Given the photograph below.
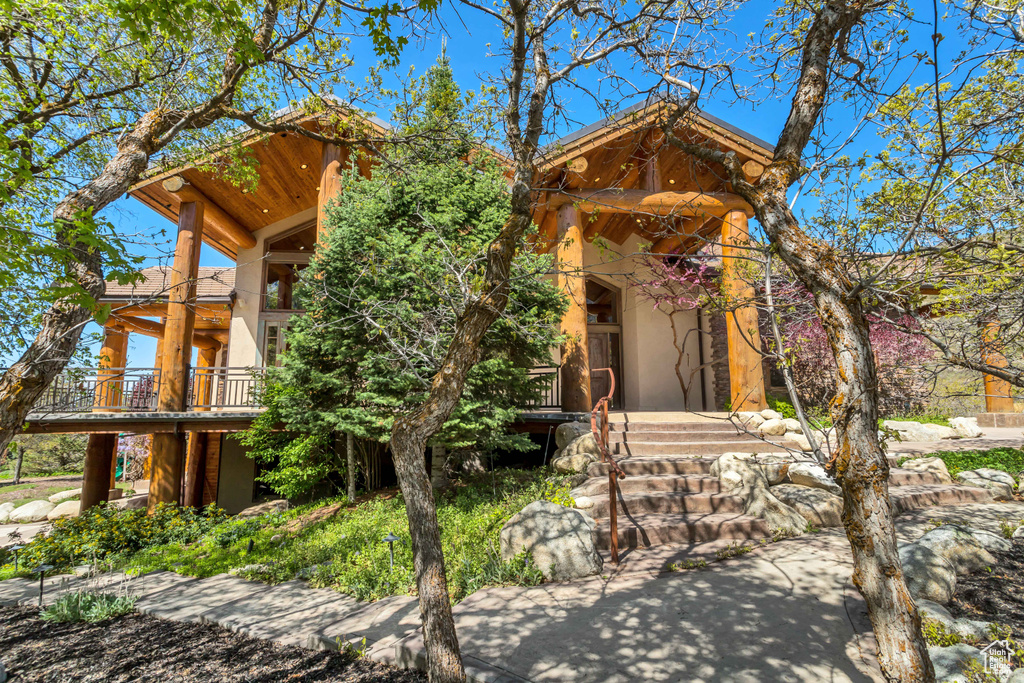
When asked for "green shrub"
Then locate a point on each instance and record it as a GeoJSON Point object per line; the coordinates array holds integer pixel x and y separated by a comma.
{"type": "Point", "coordinates": [104, 530]}
{"type": "Point", "coordinates": [935, 634]}
{"type": "Point", "coordinates": [782, 406]}
{"type": "Point", "coordinates": [90, 607]}
{"type": "Point", "coordinates": [1009, 460]}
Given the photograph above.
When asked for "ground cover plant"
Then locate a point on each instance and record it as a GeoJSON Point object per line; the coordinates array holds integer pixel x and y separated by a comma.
{"type": "Point", "coordinates": [1010, 460]}
{"type": "Point", "coordinates": [87, 606]}
{"type": "Point", "coordinates": [331, 543]}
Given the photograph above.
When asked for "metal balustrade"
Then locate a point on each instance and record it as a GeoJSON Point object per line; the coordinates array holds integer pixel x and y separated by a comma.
{"type": "Point", "coordinates": [551, 394]}
{"type": "Point", "coordinates": [135, 390]}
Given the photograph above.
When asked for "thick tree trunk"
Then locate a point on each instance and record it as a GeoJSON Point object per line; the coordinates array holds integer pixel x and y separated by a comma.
{"type": "Point", "coordinates": [860, 465]}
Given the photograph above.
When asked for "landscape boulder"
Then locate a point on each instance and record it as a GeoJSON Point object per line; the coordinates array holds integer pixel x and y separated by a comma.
{"type": "Point", "coordinates": [928, 576]}
{"type": "Point", "coordinates": [263, 508]}
{"type": "Point", "coordinates": [1018, 532]}
{"type": "Point", "coordinates": [769, 414]}
{"type": "Point", "coordinates": [989, 540]}
{"type": "Point", "coordinates": [743, 477]}
{"type": "Point", "coordinates": [571, 464]}
{"type": "Point", "coordinates": [772, 428]}
{"type": "Point", "coordinates": [792, 425]}
{"type": "Point", "coordinates": [750, 420]}
{"type": "Point", "coordinates": [966, 427]}
{"type": "Point", "coordinates": [813, 475]}
{"type": "Point", "coordinates": [61, 496]}
{"type": "Point", "coordinates": [930, 465]}
{"type": "Point", "coordinates": [560, 540]}
{"type": "Point", "coordinates": [776, 467]}
{"type": "Point", "coordinates": [949, 662]}
{"type": "Point", "coordinates": [5, 512]}
{"type": "Point", "coordinates": [799, 441]}
{"type": "Point", "coordinates": [69, 508]}
{"type": "Point", "coordinates": [577, 455]}
{"type": "Point", "coordinates": [958, 547]}
{"type": "Point", "coordinates": [817, 506]}
{"type": "Point", "coordinates": [965, 628]}
{"type": "Point", "coordinates": [583, 502]}
{"type": "Point", "coordinates": [35, 511]}
{"type": "Point", "coordinates": [998, 482]}
{"type": "Point", "coordinates": [915, 431]}
{"type": "Point", "coordinates": [567, 431]}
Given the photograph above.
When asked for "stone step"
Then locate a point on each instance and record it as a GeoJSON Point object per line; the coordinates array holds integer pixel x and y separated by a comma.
{"type": "Point", "coordinates": [699, 448]}
{"type": "Point", "coordinates": [713, 426]}
{"type": "Point", "coordinates": [678, 437]}
{"type": "Point", "coordinates": [181, 598]}
{"type": "Point", "coordinates": [663, 502]}
{"type": "Point", "coordinates": [906, 498]}
{"type": "Point", "coordinates": [598, 486]}
{"type": "Point", "coordinates": [647, 530]}
{"type": "Point", "coordinates": [901, 477]}
{"type": "Point", "coordinates": [666, 416]}
{"type": "Point", "coordinates": [375, 628]}
{"type": "Point", "coordinates": [651, 466]}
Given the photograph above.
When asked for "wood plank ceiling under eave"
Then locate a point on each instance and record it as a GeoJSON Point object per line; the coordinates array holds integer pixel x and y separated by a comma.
{"type": "Point", "coordinates": [288, 165]}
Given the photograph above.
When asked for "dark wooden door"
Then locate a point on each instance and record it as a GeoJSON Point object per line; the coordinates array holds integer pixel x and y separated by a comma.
{"type": "Point", "coordinates": [603, 348]}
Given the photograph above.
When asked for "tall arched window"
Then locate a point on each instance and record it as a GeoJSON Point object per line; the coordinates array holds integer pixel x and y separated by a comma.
{"type": "Point", "coordinates": [604, 339]}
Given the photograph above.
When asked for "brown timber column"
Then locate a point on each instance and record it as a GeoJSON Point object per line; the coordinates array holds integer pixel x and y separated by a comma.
{"type": "Point", "coordinates": [330, 185]}
{"type": "Point", "coordinates": [169, 448]}
{"type": "Point", "coordinates": [575, 355]}
{"type": "Point", "coordinates": [99, 453]}
{"type": "Point", "coordinates": [998, 392]}
{"type": "Point", "coordinates": [746, 377]}
{"type": "Point", "coordinates": [196, 461]}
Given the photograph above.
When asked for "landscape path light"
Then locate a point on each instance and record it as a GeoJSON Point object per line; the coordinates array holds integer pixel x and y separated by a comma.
{"type": "Point", "coordinates": [41, 570]}
{"type": "Point", "coordinates": [390, 540]}
{"type": "Point", "coordinates": [14, 549]}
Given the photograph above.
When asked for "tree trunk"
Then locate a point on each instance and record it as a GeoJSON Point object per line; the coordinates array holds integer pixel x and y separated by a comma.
{"type": "Point", "coordinates": [350, 456]}
{"type": "Point", "coordinates": [860, 465]}
{"type": "Point", "coordinates": [438, 458]}
{"type": "Point", "coordinates": [17, 465]}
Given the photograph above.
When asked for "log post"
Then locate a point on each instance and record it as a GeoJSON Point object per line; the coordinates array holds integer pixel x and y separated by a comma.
{"type": "Point", "coordinates": [100, 456]}
{"type": "Point", "coordinates": [330, 185]}
{"type": "Point", "coordinates": [571, 281]}
{"type": "Point", "coordinates": [168, 448]}
{"type": "Point", "coordinates": [195, 464]}
{"type": "Point", "coordinates": [998, 392]}
{"type": "Point", "coordinates": [746, 377]}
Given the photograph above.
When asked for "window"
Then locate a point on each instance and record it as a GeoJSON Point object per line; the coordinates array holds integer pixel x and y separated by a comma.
{"type": "Point", "coordinates": [279, 286]}
{"type": "Point", "coordinates": [274, 342]}
{"type": "Point", "coordinates": [602, 304]}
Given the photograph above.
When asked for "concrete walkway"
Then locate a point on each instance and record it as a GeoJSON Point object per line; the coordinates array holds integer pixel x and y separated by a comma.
{"type": "Point", "coordinates": [783, 612]}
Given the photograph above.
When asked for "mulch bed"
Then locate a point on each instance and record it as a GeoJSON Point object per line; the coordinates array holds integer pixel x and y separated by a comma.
{"type": "Point", "coordinates": [141, 648]}
{"type": "Point", "coordinates": [997, 595]}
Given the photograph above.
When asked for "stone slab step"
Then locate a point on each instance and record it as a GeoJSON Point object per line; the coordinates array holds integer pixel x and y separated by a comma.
{"type": "Point", "coordinates": [901, 477]}
{"type": "Point", "coordinates": [712, 426]}
{"type": "Point", "coordinates": [661, 502]}
{"type": "Point", "coordinates": [382, 624]}
{"type": "Point", "coordinates": [619, 416]}
{"type": "Point", "coordinates": [648, 530]}
{"type": "Point", "coordinates": [284, 613]}
{"type": "Point", "coordinates": [678, 437]}
{"type": "Point", "coordinates": [906, 498]}
{"type": "Point", "coordinates": [188, 599]}
{"type": "Point", "coordinates": [698, 448]}
{"type": "Point", "coordinates": [648, 466]}
{"type": "Point", "coordinates": [598, 486]}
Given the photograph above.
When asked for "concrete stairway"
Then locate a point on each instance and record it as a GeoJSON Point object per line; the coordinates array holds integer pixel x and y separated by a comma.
{"type": "Point", "coordinates": [669, 496]}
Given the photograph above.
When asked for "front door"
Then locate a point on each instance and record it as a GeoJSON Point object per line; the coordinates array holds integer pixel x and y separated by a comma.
{"type": "Point", "coordinates": [603, 348]}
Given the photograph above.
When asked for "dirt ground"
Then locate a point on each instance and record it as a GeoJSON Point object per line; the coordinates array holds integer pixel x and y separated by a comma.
{"type": "Point", "coordinates": [141, 648]}
{"type": "Point", "coordinates": [996, 596]}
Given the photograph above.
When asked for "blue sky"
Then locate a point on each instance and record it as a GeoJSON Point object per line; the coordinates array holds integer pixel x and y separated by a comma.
{"type": "Point", "coordinates": [466, 41]}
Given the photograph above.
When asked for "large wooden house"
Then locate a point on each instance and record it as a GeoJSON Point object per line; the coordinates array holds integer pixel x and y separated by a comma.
{"type": "Point", "coordinates": [604, 194]}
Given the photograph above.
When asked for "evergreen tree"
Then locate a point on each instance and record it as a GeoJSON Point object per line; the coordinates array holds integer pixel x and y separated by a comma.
{"type": "Point", "coordinates": [403, 252]}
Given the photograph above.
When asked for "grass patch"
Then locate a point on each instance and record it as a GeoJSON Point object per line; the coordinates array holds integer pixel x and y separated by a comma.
{"type": "Point", "coordinates": [923, 418]}
{"type": "Point", "coordinates": [82, 606]}
{"type": "Point", "coordinates": [1010, 460]}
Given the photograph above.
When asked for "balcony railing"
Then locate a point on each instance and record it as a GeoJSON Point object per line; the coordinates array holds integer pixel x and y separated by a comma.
{"type": "Point", "coordinates": [135, 390]}
{"type": "Point", "coordinates": [551, 394]}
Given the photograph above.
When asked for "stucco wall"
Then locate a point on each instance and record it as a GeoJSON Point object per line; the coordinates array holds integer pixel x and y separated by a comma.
{"type": "Point", "coordinates": [648, 355]}
{"type": "Point", "coordinates": [243, 347]}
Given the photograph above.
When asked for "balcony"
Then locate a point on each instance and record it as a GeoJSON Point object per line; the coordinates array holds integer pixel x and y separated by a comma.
{"type": "Point", "coordinates": [135, 390]}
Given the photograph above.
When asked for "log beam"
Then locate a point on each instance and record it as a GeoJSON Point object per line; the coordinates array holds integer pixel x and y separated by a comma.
{"type": "Point", "coordinates": [218, 220]}
{"type": "Point", "coordinates": [654, 203]}
{"type": "Point", "coordinates": [168, 449]}
{"type": "Point", "coordinates": [998, 392]}
{"type": "Point", "coordinates": [152, 328]}
{"type": "Point", "coordinates": [330, 184]}
{"type": "Point", "coordinates": [571, 281]}
{"type": "Point", "coordinates": [746, 377]}
{"type": "Point", "coordinates": [100, 451]}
